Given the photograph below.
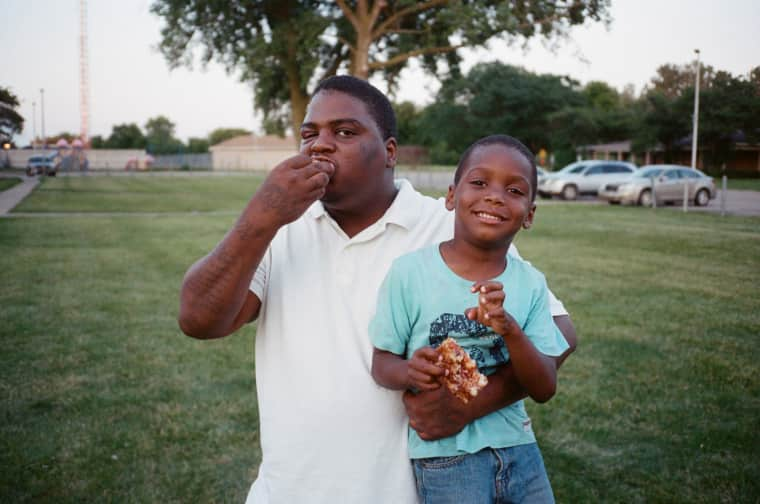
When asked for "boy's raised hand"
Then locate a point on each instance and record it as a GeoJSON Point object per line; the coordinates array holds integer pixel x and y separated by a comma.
{"type": "Point", "coordinates": [490, 310]}
{"type": "Point", "coordinates": [292, 186]}
{"type": "Point", "coordinates": [422, 371]}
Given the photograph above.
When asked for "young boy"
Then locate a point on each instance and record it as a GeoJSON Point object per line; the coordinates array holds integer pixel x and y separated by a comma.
{"type": "Point", "coordinates": [428, 295]}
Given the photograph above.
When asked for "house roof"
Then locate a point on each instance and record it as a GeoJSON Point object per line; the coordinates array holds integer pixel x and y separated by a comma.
{"type": "Point", "coordinates": [257, 142]}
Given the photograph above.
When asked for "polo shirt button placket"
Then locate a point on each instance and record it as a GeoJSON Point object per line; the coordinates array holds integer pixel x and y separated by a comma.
{"type": "Point", "coordinates": [344, 268]}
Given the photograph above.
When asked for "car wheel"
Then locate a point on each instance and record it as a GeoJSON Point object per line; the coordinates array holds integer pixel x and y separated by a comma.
{"type": "Point", "coordinates": [645, 198]}
{"type": "Point", "coordinates": [569, 192]}
{"type": "Point", "coordinates": [29, 172]}
{"type": "Point", "coordinates": [702, 198]}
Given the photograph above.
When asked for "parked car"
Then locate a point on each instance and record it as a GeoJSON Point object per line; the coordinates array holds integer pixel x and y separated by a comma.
{"type": "Point", "coordinates": [541, 174]}
{"type": "Point", "coordinates": [584, 177]}
{"type": "Point", "coordinates": [46, 164]}
{"type": "Point", "coordinates": [668, 180]}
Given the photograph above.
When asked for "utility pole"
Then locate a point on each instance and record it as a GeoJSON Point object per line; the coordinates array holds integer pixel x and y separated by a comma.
{"type": "Point", "coordinates": [42, 116]}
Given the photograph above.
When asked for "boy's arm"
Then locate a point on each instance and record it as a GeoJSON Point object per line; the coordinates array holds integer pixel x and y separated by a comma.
{"type": "Point", "coordinates": [437, 414]}
{"type": "Point", "coordinates": [396, 373]}
{"type": "Point", "coordinates": [215, 299]}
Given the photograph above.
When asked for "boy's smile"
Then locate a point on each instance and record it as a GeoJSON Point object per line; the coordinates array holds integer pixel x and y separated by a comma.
{"type": "Point", "coordinates": [493, 198]}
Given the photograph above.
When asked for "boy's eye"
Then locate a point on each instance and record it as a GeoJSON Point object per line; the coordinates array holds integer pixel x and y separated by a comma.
{"type": "Point", "coordinates": [478, 182]}
{"type": "Point", "coordinates": [515, 190]}
{"type": "Point", "coordinates": [345, 133]}
{"type": "Point", "coordinates": [307, 134]}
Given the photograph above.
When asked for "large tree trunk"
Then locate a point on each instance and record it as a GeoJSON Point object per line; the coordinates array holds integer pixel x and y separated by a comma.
{"type": "Point", "coordinates": [298, 97]}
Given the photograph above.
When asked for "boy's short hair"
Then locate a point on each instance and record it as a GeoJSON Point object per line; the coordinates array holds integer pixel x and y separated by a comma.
{"type": "Point", "coordinates": [510, 143]}
{"type": "Point", "coordinates": [377, 103]}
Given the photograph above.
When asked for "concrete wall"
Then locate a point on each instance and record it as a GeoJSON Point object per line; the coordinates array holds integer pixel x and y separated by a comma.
{"type": "Point", "coordinates": [246, 158]}
{"type": "Point", "coordinates": [100, 159]}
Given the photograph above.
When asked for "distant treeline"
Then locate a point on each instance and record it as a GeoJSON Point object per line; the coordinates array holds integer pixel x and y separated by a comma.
{"type": "Point", "coordinates": [557, 114]}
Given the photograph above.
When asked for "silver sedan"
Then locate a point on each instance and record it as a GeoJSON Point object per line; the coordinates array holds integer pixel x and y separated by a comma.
{"type": "Point", "coordinates": [668, 180]}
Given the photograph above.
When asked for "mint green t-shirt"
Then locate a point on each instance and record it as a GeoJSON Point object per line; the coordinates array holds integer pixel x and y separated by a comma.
{"type": "Point", "coordinates": [422, 302]}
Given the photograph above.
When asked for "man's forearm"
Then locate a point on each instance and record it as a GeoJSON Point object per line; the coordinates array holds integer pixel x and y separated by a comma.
{"type": "Point", "coordinates": [214, 289]}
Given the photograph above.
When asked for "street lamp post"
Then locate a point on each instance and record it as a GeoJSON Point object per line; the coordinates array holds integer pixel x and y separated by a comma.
{"type": "Point", "coordinates": [696, 116]}
{"type": "Point", "coordinates": [695, 120]}
{"type": "Point", "coordinates": [34, 125]}
{"type": "Point", "coordinates": [42, 117]}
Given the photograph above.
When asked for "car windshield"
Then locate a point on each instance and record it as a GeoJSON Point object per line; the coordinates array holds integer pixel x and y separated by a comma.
{"type": "Point", "coordinates": [573, 168]}
{"type": "Point", "coordinates": [648, 173]}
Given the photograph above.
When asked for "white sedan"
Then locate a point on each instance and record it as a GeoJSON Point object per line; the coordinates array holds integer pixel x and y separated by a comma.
{"type": "Point", "coordinates": [584, 177]}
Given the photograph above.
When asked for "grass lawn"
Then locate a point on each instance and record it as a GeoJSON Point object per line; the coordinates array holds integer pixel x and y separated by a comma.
{"type": "Point", "coordinates": [741, 184]}
{"type": "Point", "coordinates": [102, 398]}
{"type": "Point", "coordinates": [8, 182]}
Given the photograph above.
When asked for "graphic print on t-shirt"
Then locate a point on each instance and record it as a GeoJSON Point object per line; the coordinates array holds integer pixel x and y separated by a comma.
{"type": "Point", "coordinates": [485, 347]}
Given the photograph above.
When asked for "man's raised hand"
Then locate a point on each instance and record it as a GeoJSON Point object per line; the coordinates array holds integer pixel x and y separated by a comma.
{"type": "Point", "coordinates": [292, 186]}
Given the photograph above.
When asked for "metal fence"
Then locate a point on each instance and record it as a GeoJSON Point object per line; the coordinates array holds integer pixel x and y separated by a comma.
{"type": "Point", "coordinates": [182, 161]}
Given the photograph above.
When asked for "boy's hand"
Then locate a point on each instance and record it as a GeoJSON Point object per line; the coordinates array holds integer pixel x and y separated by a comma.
{"type": "Point", "coordinates": [422, 371]}
{"type": "Point", "coordinates": [490, 310]}
{"type": "Point", "coordinates": [292, 186]}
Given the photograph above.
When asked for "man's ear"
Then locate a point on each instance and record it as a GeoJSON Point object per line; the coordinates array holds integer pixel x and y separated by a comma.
{"type": "Point", "coordinates": [450, 198]}
{"type": "Point", "coordinates": [391, 152]}
{"type": "Point", "coordinates": [528, 220]}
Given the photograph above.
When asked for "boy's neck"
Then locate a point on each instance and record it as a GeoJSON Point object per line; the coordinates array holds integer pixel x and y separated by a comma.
{"type": "Point", "coordinates": [472, 262]}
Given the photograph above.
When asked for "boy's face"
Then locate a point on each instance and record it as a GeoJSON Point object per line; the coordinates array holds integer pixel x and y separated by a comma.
{"type": "Point", "coordinates": [339, 129]}
{"type": "Point", "coordinates": [493, 197]}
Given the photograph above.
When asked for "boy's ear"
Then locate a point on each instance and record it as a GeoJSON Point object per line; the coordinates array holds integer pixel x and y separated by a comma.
{"type": "Point", "coordinates": [450, 198]}
{"type": "Point", "coordinates": [528, 220]}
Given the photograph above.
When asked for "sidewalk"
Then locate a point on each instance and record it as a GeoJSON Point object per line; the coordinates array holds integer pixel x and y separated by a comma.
{"type": "Point", "coordinates": [13, 196]}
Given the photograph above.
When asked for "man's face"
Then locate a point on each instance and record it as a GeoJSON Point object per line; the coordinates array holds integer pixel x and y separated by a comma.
{"type": "Point", "coordinates": [493, 197]}
{"type": "Point", "coordinates": [339, 129]}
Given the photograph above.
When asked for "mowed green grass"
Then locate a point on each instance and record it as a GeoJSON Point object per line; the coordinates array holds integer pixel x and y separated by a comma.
{"type": "Point", "coordinates": [8, 182]}
{"type": "Point", "coordinates": [103, 399]}
{"type": "Point", "coordinates": [142, 193]}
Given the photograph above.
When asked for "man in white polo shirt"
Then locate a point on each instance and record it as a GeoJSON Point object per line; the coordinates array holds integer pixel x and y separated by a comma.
{"type": "Point", "coordinates": [306, 259]}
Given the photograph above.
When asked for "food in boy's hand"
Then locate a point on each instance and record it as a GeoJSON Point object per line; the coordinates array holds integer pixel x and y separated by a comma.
{"type": "Point", "coordinates": [461, 375]}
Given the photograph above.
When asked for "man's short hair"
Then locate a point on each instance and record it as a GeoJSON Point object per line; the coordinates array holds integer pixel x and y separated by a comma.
{"type": "Point", "coordinates": [508, 142]}
{"type": "Point", "coordinates": [376, 102]}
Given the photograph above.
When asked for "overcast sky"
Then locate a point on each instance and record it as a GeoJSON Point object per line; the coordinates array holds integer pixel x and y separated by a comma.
{"type": "Point", "coordinates": [131, 82]}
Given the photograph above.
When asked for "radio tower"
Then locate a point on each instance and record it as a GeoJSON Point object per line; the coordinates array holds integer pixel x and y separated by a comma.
{"type": "Point", "coordinates": [84, 105]}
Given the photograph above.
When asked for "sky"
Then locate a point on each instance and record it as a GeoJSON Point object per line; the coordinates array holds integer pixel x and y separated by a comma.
{"type": "Point", "coordinates": [130, 81]}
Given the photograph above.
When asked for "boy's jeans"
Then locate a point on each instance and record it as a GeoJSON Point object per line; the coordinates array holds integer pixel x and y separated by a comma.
{"type": "Point", "coordinates": [501, 475]}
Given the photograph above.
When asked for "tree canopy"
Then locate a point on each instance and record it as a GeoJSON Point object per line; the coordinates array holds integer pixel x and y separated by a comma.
{"type": "Point", "coordinates": [219, 135]}
{"type": "Point", "coordinates": [11, 122]}
{"type": "Point", "coordinates": [283, 48]}
{"type": "Point", "coordinates": [159, 136]}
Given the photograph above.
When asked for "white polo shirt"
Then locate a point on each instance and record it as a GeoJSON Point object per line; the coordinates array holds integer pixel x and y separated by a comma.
{"type": "Point", "coordinates": [329, 433]}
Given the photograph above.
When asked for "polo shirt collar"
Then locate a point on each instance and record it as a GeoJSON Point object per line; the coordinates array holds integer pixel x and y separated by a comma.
{"type": "Point", "coordinates": [402, 211]}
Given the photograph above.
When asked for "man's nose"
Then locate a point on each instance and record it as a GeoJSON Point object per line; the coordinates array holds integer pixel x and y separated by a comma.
{"type": "Point", "coordinates": [324, 142]}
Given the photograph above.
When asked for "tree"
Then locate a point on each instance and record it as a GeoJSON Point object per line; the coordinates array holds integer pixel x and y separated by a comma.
{"type": "Point", "coordinates": [282, 48]}
{"type": "Point", "coordinates": [494, 98]}
{"type": "Point", "coordinates": [407, 122]}
{"type": "Point", "coordinates": [97, 142]}
{"type": "Point", "coordinates": [125, 136]}
{"type": "Point", "coordinates": [673, 80]}
{"type": "Point", "coordinates": [159, 136]}
{"type": "Point", "coordinates": [11, 122]}
{"type": "Point", "coordinates": [219, 135]}
{"type": "Point", "coordinates": [197, 145]}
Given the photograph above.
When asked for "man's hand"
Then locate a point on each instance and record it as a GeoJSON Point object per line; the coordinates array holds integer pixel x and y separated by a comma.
{"type": "Point", "coordinates": [436, 414]}
{"type": "Point", "coordinates": [292, 186]}
{"type": "Point", "coordinates": [490, 310]}
{"type": "Point", "coordinates": [422, 371]}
